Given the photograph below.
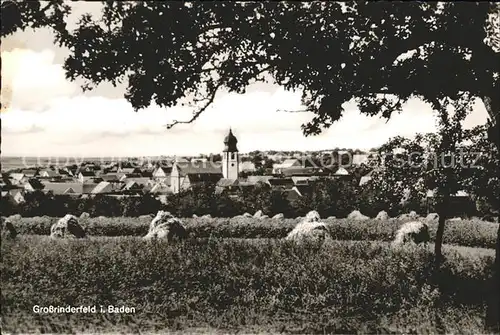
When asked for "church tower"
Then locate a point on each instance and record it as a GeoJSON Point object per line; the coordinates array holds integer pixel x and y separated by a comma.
{"type": "Point", "coordinates": [230, 157]}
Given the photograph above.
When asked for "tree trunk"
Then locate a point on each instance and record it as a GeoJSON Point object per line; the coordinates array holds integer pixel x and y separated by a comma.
{"type": "Point", "coordinates": [493, 309]}
{"type": "Point", "coordinates": [492, 105]}
{"type": "Point", "coordinates": [439, 238]}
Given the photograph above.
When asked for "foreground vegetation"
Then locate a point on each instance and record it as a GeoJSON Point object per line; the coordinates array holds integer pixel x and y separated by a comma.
{"type": "Point", "coordinates": [470, 233]}
{"type": "Point", "coordinates": [258, 284]}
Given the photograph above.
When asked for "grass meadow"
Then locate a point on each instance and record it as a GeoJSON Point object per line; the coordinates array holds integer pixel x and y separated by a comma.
{"type": "Point", "coordinates": [238, 275]}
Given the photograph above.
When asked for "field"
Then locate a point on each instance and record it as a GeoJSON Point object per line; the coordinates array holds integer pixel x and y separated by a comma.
{"type": "Point", "coordinates": [237, 275]}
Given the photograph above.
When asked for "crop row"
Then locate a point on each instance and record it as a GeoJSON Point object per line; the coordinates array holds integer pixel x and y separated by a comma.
{"type": "Point", "coordinates": [471, 233]}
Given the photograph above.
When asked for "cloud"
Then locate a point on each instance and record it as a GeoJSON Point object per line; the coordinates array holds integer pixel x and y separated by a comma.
{"type": "Point", "coordinates": [51, 116]}
{"type": "Point", "coordinates": [29, 130]}
{"type": "Point", "coordinates": [31, 80]}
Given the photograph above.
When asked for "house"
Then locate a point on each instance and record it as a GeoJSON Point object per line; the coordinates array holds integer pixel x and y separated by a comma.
{"type": "Point", "coordinates": [225, 184]}
{"type": "Point", "coordinates": [309, 171]}
{"type": "Point", "coordinates": [110, 177]}
{"type": "Point", "coordinates": [71, 188]}
{"type": "Point", "coordinates": [33, 185]}
{"type": "Point", "coordinates": [106, 187]}
{"type": "Point", "coordinates": [15, 195]}
{"type": "Point", "coordinates": [369, 176]}
{"type": "Point", "coordinates": [147, 174]}
{"type": "Point", "coordinates": [304, 180]}
{"type": "Point", "coordinates": [247, 167]}
{"type": "Point", "coordinates": [253, 180]}
{"type": "Point", "coordinates": [288, 164]}
{"type": "Point", "coordinates": [17, 178]}
{"type": "Point", "coordinates": [149, 165]}
{"type": "Point", "coordinates": [281, 183]}
{"type": "Point", "coordinates": [5, 182]}
{"type": "Point", "coordinates": [132, 186]}
{"type": "Point", "coordinates": [192, 179]}
{"type": "Point", "coordinates": [30, 173]}
{"type": "Point", "coordinates": [64, 172]}
{"type": "Point", "coordinates": [244, 184]}
{"type": "Point", "coordinates": [180, 160]}
{"type": "Point", "coordinates": [84, 176]}
{"type": "Point", "coordinates": [341, 172]}
{"type": "Point", "coordinates": [126, 176]}
{"type": "Point", "coordinates": [160, 188]}
{"type": "Point", "coordinates": [112, 169]}
{"type": "Point", "coordinates": [129, 170]}
{"type": "Point", "coordinates": [461, 203]}
{"type": "Point", "coordinates": [139, 180]}
{"type": "Point", "coordinates": [293, 194]}
{"type": "Point", "coordinates": [179, 177]}
{"type": "Point", "coordinates": [199, 160]}
{"type": "Point", "coordinates": [162, 173]}
{"type": "Point", "coordinates": [358, 159]}
{"type": "Point", "coordinates": [48, 174]}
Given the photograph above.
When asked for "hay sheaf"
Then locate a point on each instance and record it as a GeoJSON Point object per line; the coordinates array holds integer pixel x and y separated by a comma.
{"type": "Point", "coordinates": [382, 215]}
{"type": "Point", "coordinates": [357, 216]}
{"type": "Point", "coordinates": [409, 216]}
{"type": "Point", "coordinates": [412, 232]}
{"type": "Point", "coordinates": [8, 230]}
{"type": "Point", "coordinates": [67, 227]}
{"type": "Point", "coordinates": [432, 217]}
{"type": "Point", "coordinates": [310, 229]}
{"type": "Point", "coordinates": [258, 214]}
{"type": "Point", "coordinates": [313, 216]}
{"type": "Point", "coordinates": [166, 226]}
{"type": "Point", "coordinates": [15, 217]}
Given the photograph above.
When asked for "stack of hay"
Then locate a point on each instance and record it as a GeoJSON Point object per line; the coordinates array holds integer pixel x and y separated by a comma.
{"type": "Point", "coordinates": [67, 227]}
{"type": "Point", "coordinates": [8, 230]}
{"type": "Point", "coordinates": [412, 232]}
{"type": "Point", "coordinates": [357, 216]}
{"type": "Point", "coordinates": [310, 229]}
{"type": "Point", "coordinates": [166, 226]}
{"type": "Point", "coordinates": [432, 217]}
{"type": "Point", "coordinates": [258, 214]}
{"type": "Point", "coordinates": [410, 216]}
{"type": "Point", "coordinates": [382, 215]}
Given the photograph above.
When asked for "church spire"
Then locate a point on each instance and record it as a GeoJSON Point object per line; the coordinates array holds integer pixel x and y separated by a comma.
{"type": "Point", "coordinates": [230, 142]}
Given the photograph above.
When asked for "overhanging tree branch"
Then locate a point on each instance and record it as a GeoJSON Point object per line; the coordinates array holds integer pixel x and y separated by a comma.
{"type": "Point", "coordinates": [196, 114]}
{"type": "Point", "coordinates": [292, 111]}
{"type": "Point", "coordinates": [210, 99]}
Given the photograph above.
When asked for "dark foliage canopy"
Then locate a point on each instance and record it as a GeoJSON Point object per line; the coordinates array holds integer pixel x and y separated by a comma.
{"type": "Point", "coordinates": [380, 54]}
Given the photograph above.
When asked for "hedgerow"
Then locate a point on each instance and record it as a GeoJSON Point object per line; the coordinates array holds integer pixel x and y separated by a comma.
{"type": "Point", "coordinates": [471, 233]}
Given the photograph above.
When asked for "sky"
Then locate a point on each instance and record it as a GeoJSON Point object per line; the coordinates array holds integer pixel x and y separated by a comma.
{"type": "Point", "coordinates": [48, 115]}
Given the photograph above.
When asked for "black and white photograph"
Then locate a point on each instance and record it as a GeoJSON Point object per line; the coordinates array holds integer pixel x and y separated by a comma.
{"type": "Point", "coordinates": [250, 167]}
